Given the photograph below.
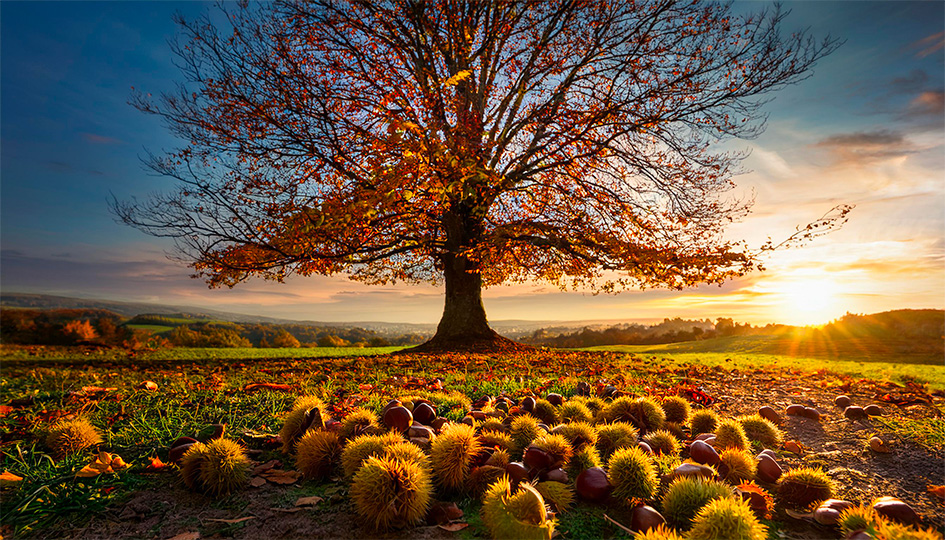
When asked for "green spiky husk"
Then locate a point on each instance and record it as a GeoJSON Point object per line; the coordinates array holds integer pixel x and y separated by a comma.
{"type": "Point", "coordinates": [574, 411]}
{"type": "Point", "coordinates": [676, 430]}
{"type": "Point", "coordinates": [676, 409]}
{"type": "Point", "coordinates": [556, 446]}
{"type": "Point", "coordinates": [523, 430]}
{"type": "Point", "coordinates": [224, 467]}
{"type": "Point", "coordinates": [593, 404]}
{"type": "Point", "coordinates": [190, 465]}
{"type": "Point", "coordinates": [730, 434]}
{"type": "Point", "coordinates": [408, 451]}
{"type": "Point", "coordinates": [858, 518]}
{"type": "Point", "coordinates": [583, 460]}
{"type": "Point", "coordinates": [663, 442]}
{"type": "Point", "coordinates": [292, 427]}
{"type": "Point", "coordinates": [660, 532]}
{"type": "Point", "coordinates": [611, 437]}
{"type": "Point", "coordinates": [890, 530]}
{"type": "Point", "coordinates": [492, 424]}
{"type": "Point", "coordinates": [761, 431]}
{"type": "Point", "coordinates": [392, 493]}
{"type": "Point", "coordinates": [317, 453]}
{"type": "Point", "coordinates": [729, 518]}
{"type": "Point", "coordinates": [686, 496]}
{"type": "Point", "coordinates": [578, 434]}
{"type": "Point", "coordinates": [741, 465]}
{"type": "Point", "coordinates": [356, 422]}
{"type": "Point", "coordinates": [644, 413]}
{"type": "Point", "coordinates": [520, 516]}
{"type": "Point", "coordinates": [70, 436]}
{"type": "Point", "coordinates": [704, 421]}
{"type": "Point", "coordinates": [360, 448]}
{"type": "Point", "coordinates": [632, 474]}
{"type": "Point", "coordinates": [491, 439]}
{"type": "Point", "coordinates": [482, 477]}
{"type": "Point", "coordinates": [559, 496]}
{"type": "Point", "coordinates": [800, 488]}
{"type": "Point", "coordinates": [452, 454]}
{"type": "Point", "coordinates": [545, 412]}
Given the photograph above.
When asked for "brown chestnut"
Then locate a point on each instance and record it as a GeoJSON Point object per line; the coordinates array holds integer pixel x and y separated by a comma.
{"type": "Point", "coordinates": [795, 410]}
{"type": "Point", "coordinates": [702, 452]}
{"type": "Point", "coordinates": [398, 418]}
{"type": "Point", "coordinates": [592, 485]}
{"type": "Point", "coordinates": [645, 518]}
{"type": "Point", "coordinates": [770, 414]}
{"type": "Point", "coordinates": [842, 401]}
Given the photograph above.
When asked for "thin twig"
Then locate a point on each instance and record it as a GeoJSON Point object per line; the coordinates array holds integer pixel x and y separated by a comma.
{"type": "Point", "coordinates": [627, 529]}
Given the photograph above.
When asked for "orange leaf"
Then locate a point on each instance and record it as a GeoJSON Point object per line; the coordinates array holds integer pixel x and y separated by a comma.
{"type": "Point", "coordinates": [156, 465]}
{"type": "Point", "coordinates": [9, 478]}
{"type": "Point", "coordinates": [147, 385]}
{"type": "Point", "coordinates": [257, 481]}
{"type": "Point", "coordinates": [231, 521]}
{"type": "Point", "coordinates": [453, 527]}
{"type": "Point", "coordinates": [252, 387]}
{"type": "Point", "coordinates": [5, 410]}
{"type": "Point", "coordinates": [938, 491]}
{"type": "Point", "coordinates": [278, 476]}
{"type": "Point", "coordinates": [308, 501]}
{"type": "Point", "coordinates": [190, 535]}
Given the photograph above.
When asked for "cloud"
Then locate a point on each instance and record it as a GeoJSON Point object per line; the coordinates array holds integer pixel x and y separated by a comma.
{"type": "Point", "coordinates": [929, 44]}
{"type": "Point", "coordinates": [928, 103]}
{"type": "Point", "coordinates": [867, 146]}
{"type": "Point", "coordinates": [100, 139]}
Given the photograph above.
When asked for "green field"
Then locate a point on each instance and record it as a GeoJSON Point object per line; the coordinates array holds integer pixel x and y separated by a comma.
{"type": "Point", "coordinates": [739, 352]}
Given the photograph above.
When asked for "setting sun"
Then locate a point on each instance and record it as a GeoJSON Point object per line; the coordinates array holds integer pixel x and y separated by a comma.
{"type": "Point", "coordinates": [807, 300]}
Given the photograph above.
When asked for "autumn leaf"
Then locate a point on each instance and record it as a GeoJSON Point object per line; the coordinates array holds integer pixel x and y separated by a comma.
{"type": "Point", "coordinates": [7, 478]}
{"type": "Point", "coordinates": [453, 527]}
{"type": "Point", "coordinates": [190, 535]}
{"type": "Point", "coordinates": [5, 410]}
{"type": "Point", "coordinates": [231, 521]}
{"type": "Point", "coordinates": [252, 387]}
{"type": "Point", "coordinates": [147, 385]}
{"type": "Point", "coordinates": [97, 389]}
{"type": "Point", "coordinates": [308, 501]}
{"type": "Point", "coordinates": [456, 79]}
{"type": "Point", "coordinates": [101, 464]}
{"type": "Point", "coordinates": [156, 465]}
{"type": "Point", "coordinates": [279, 476]}
{"type": "Point", "coordinates": [938, 491]}
{"type": "Point", "coordinates": [257, 481]}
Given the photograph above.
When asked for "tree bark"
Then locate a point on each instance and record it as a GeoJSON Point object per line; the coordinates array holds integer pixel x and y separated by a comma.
{"type": "Point", "coordinates": [463, 326]}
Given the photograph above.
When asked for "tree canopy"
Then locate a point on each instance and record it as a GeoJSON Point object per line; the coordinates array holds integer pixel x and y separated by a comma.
{"type": "Point", "coordinates": [476, 142]}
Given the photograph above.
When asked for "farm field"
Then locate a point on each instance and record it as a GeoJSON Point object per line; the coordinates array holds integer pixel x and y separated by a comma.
{"type": "Point", "coordinates": [252, 395]}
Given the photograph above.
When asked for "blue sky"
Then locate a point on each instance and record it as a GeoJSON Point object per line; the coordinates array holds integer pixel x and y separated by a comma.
{"type": "Point", "coordinates": [865, 128]}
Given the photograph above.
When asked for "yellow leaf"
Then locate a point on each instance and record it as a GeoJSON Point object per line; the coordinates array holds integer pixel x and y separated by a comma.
{"type": "Point", "coordinates": [455, 79]}
{"type": "Point", "coordinates": [88, 472]}
{"type": "Point", "coordinates": [308, 501]}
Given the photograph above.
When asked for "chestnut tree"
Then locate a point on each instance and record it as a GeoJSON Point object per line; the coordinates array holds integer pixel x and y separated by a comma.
{"type": "Point", "coordinates": [469, 143]}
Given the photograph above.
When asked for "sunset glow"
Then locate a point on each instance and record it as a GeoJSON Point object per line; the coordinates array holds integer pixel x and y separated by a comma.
{"type": "Point", "coordinates": [807, 300]}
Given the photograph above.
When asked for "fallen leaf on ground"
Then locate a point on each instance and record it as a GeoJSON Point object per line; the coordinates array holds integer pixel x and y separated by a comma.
{"type": "Point", "coordinates": [308, 501]}
{"type": "Point", "coordinates": [156, 465]}
{"type": "Point", "coordinates": [442, 513]}
{"type": "Point", "coordinates": [794, 447]}
{"type": "Point", "coordinates": [938, 491]}
{"type": "Point", "coordinates": [9, 478]}
{"type": "Point", "coordinates": [279, 476]}
{"type": "Point", "coordinates": [147, 385]}
{"type": "Point", "coordinates": [102, 463]}
{"type": "Point", "coordinates": [453, 527]}
{"type": "Point", "coordinates": [97, 389]}
{"type": "Point", "coordinates": [5, 410]}
{"type": "Point", "coordinates": [269, 465]}
{"type": "Point", "coordinates": [190, 535]}
{"type": "Point", "coordinates": [257, 481]}
{"type": "Point", "coordinates": [252, 387]}
{"type": "Point", "coordinates": [288, 510]}
{"type": "Point", "coordinates": [231, 521]}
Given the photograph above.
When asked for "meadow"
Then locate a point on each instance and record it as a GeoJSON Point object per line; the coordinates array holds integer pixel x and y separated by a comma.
{"type": "Point", "coordinates": [250, 391]}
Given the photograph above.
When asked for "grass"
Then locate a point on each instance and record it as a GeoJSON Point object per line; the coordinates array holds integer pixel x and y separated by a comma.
{"type": "Point", "coordinates": [153, 328]}
{"type": "Point", "coordinates": [14, 353]}
{"type": "Point", "coordinates": [705, 353]}
{"type": "Point", "coordinates": [201, 387]}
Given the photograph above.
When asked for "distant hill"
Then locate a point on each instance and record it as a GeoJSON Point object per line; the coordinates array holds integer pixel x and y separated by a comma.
{"type": "Point", "coordinates": [512, 328]}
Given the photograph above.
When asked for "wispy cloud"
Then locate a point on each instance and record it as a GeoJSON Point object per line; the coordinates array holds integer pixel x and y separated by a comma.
{"type": "Point", "coordinates": [100, 139]}
{"type": "Point", "coordinates": [929, 44]}
{"type": "Point", "coordinates": [867, 147]}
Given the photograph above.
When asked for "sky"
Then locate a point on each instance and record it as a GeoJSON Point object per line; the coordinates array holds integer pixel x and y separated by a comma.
{"type": "Point", "coordinates": [867, 128]}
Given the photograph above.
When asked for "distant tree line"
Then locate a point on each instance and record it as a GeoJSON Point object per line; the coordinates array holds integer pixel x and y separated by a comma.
{"type": "Point", "coordinates": [98, 327]}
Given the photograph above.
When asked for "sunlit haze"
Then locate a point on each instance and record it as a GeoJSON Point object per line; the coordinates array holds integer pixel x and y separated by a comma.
{"type": "Point", "coordinates": [865, 129]}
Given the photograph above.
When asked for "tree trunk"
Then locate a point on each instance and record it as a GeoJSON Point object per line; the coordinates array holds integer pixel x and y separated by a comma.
{"type": "Point", "coordinates": [463, 326]}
